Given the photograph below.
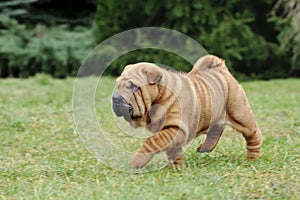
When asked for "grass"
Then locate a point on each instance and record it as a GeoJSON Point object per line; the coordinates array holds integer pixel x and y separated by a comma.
{"type": "Point", "coordinates": [43, 158]}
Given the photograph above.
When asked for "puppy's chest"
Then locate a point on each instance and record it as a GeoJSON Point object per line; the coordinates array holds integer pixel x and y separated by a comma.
{"type": "Point", "coordinates": [156, 118]}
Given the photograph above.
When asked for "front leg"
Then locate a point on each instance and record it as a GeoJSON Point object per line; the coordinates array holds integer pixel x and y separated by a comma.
{"type": "Point", "coordinates": [160, 141]}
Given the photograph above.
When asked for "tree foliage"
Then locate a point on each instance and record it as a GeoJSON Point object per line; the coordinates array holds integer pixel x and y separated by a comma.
{"type": "Point", "coordinates": [256, 38]}
{"type": "Point", "coordinates": [287, 15]}
{"type": "Point", "coordinates": [238, 31]}
{"type": "Point", "coordinates": [41, 42]}
{"type": "Point", "coordinates": [56, 50]}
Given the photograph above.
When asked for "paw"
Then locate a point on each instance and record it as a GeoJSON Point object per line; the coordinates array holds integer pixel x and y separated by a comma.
{"type": "Point", "coordinates": [204, 148]}
{"type": "Point", "coordinates": [252, 156]}
{"type": "Point", "coordinates": [176, 164]}
{"type": "Point", "coordinates": [139, 160]}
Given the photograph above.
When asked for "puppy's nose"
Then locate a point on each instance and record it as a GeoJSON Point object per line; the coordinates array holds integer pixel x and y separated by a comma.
{"type": "Point", "coordinates": [117, 98]}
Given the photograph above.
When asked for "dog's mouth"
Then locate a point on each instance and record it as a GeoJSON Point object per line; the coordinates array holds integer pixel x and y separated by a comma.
{"type": "Point", "coordinates": [123, 109]}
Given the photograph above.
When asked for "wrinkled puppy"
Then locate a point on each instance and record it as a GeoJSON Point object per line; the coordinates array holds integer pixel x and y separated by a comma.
{"type": "Point", "coordinates": [178, 107]}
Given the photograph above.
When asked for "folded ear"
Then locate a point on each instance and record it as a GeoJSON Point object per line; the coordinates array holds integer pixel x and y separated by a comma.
{"type": "Point", "coordinates": [153, 76]}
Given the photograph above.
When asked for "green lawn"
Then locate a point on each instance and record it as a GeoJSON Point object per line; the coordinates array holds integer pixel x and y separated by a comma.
{"type": "Point", "coordinates": [43, 158]}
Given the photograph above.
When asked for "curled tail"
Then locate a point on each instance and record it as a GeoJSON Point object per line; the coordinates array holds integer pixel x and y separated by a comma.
{"type": "Point", "coordinates": [209, 62]}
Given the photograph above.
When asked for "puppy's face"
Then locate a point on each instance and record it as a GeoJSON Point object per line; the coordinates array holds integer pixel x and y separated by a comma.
{"type": "Point", "coordinates": [137, 88]}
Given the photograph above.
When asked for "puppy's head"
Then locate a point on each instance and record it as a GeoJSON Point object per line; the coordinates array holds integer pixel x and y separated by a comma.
{"type": "Point", "coordinates": [137, 89]}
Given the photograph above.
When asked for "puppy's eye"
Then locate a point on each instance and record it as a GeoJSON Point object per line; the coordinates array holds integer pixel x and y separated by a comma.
{"type": "Point", "coordinates": [133, 87]}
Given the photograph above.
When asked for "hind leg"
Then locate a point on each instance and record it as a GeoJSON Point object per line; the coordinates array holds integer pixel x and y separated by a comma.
{"type": "Point", "coordinates": [242, 119]}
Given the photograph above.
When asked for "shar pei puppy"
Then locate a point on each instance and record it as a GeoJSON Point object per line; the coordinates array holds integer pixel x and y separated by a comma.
{"type": "Point", "coordinates": [177, 107]}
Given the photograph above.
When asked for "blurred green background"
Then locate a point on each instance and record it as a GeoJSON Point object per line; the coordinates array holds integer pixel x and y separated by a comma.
{"type": "Point", "coordinates": [258, 39]}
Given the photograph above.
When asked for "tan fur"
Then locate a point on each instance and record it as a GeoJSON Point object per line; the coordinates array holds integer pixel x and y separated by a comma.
{"type": "Point", "coordinates": [178, 107]}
